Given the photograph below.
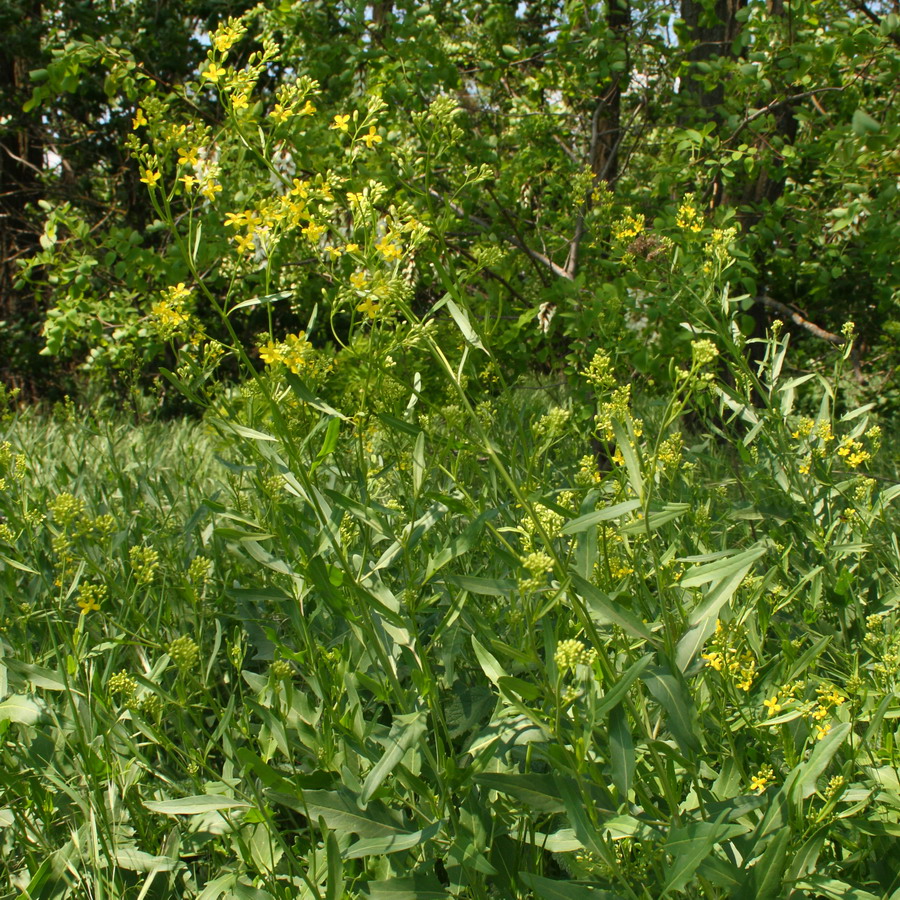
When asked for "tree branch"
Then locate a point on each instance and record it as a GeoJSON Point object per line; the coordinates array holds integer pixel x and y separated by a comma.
{"type": "Point", "coordinates": [803, 322]}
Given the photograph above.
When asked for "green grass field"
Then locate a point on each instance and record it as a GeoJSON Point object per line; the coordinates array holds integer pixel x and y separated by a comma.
{"type": "Point", "coordinates": [427, 655]}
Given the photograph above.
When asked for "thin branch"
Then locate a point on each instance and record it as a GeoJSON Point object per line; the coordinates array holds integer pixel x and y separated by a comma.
{"type": "Point", "coordinates": [775, 104]}
{"type": "Point", "coordinates": [797, 319]}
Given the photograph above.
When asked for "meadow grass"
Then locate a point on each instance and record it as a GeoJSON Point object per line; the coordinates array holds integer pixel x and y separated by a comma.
{"type": "Point", "coordinates": [450, 649]}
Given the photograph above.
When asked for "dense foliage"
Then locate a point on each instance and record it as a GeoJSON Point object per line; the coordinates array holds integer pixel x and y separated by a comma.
{"type": "Point", "coordinates": [579, 130]}
{"type": "Point", "coordinates": [532, 535]}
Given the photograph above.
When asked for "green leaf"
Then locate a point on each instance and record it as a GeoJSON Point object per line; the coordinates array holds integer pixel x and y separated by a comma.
{"type": "Point", "coordinates": [418, 886]}
{"type": "Point", "coordinates": [192, 806]}
{"type": "Point", "coordinates": [488, 662]}
{"type": "Point", "coordinates": [537, 791]}
{"type": "Point", "coordinates": [334, 883]}
{"type": "Point", "coordinates": [582, 523]}
{"type": "Point", "coordinates": [674, 699]}
{"type": "Point", "coordinates": [621, 752]}
{"type": "Point", "coordinates": [261, 301]}
{"type": "Point", "coordinates": [632, 465]}
{"type": "Point", "coordinates": [392, 843]}
{"type": "Point", "coordinates": [309, 398]}
{"type": "Point", "coordinates": [550, 889]}
{"type": "Point", "coordinates": [690, 844]}
{"type": "Point", "coordinates": [488, 587]}
{"type": "Point", "coordinates": [721, 569]}
{"type": "Point", "coordinates": [135, 860]}
{"type": "Point", "coordinates": [656, 518]}
{"type": "Point", "coordinates": [328, 444]}
{"type": "Point", "coordinates": [342, 813]}
{"type": "Point", "coordinates": [23, 709]}
{"type": "Point", "coordinates": [765, 877]}
{"type": "Point", "coordinates": [404, 734]}
{"type": "Point", "coordinates": [864, 124]}
{"type": "Point", "coordinates": [461, 317]}
{"type": "Point", "coordinates": [808, 772]}
{"type": "Point", "coordinates": [605, 611]}
{"type": "Point", "coordinates": [418, 460]}
{"type": "Point", "coordinates": [616, 693]}
{"type": "Point", "coordinates": [725, 575]}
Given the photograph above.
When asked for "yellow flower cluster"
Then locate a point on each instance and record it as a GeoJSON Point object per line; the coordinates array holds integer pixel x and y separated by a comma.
{"type": "Point", "coordinates": [616, 408]}
{"type": "Point", "coordinates": [227, 34]}
{"type": "Point", "coordinates": [688, 217]}
{"type": "Point", "coordinates": [170, 314]}
{"type": "Point", "coordinates": [297, 354]}
{"type": "Point", "coordinates": [670, 450]}
{"type": "Point", "coordinates": [599, 372]}
{"type": "Point", "coordinates": [726, 656]}
{"type": "Point", "coordinates": [90, 597]}
{"type": "Point", "coordinates": [571, 653]}
{"type": "Point", "coordinates": [853, 452]}
{"type": "Point", "coordinates": [762, 779]}
{"type": "Point", "coordinates": [144, 563]}
{"type": "Point", "coordinates": [716, 248]}
{"type": "Point", "coordinates": [628, 227]}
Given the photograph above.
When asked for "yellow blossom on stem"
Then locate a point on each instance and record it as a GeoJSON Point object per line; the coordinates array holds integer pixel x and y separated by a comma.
{"type": "Point", "coordinates": [313, 231]}
{"type": "Point", "coordinates": [764, 777]}
{"type": "Point", "coordinates": [772, 705]}
{"type": "Point", "coordinates": [308, 109]}
{"type": "Point", "coordinates": [213, 72]}
{"type": "Point", "coordinates": [372, 137]}
{"type": "Point", "coordinates": [244, 242]}
{"type": "Point", "coordinates": [351, 248]}
{"type": "Point", "coordinates": [150, 177]}
{"type": "Point", "coordinates": [388, 249]}
{"type": "Point", "coordinates": [358, 279]}
{"type": "Point", "coordinates": [280, 113]}
{"type": "Point", "coordinates": [822, 731]}
{"type": "Point", "coordinates": [270, 353]}
{"type": "Point", "coordinates": [369, 306]}
{"type": "Point", "coordinates": [188, 156]}
{"type": "Point", "coordinates": [239, 101]}
{"type": "Point", "coordinates": [139, 119]}
{"type": "Point", "coordinates": [210, 189]}
{"type": "Point", "coordinates": [189, 181]}
{"type": "Point", "coordinates": [341, 123]}
{"type": "Point", "coordinates": [88, 605]}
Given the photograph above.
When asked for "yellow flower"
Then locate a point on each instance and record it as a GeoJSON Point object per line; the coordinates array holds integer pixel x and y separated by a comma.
{"type": "Point", "coordinates": [139, 119]}
{"type": "Point", "coordinates": [388, 249]}
{"type": "Point", "coordinates": [341, 123]}
{"type": "Point", "coordinates": [244, 242]}
{"type": "Point", "coordinates": [88, 604]}
{"type": "Point", "coordinates": [151, 177]}
{"type": "Point", "coordinates": [334, 252]}
{"type": "Point", "coordinates": [189, 181]}
{"type": "Point", "coordinates": [214, 72]}
{"type": "Point", "coordinates": [353, 197]}
{"type": "Point", "coordinates": [369, 306]}
{"type": "Point", "coordinates": [372, 137]}
{"type": "Point", "coordinates": [270, 353]}
{"type": "Point", "coordinates": [280, 114]}
{"type": "Point", "coordinates": [239, 101]}
{"type": "Point", "coordinates": [300, 188]}
{"type": "Point", "coordinates": [358, 280]}
{"type": "Point", "coordinates": [772, 705]}
{"type": "Point", "coordinates": [236, 220]}
{"type": "Point", "coordinates": [822, 731]}
{"type": "Point", "coordinates": [351, 248]}
{"type": "Point", "coordinates": [313, 231]}
{"type": "Point", "coordinates": [210, 189]}
{"type": "Point", "coordinates": [307, 110]}
{"type": "Point", "coordinates": [188, 156]}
